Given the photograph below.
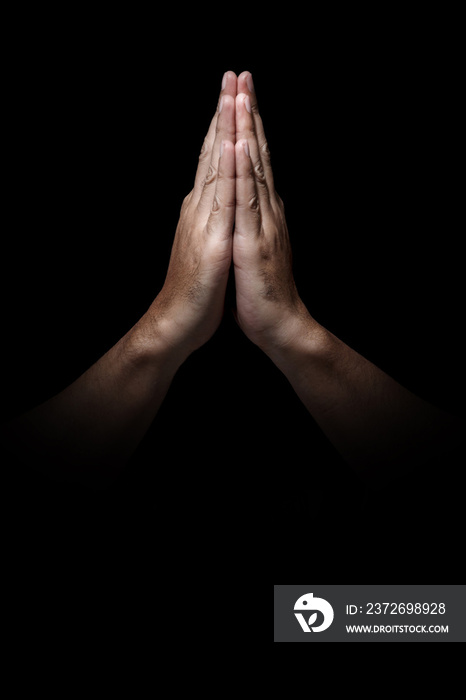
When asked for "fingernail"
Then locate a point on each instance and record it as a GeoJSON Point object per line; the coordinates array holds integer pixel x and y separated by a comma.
{"type": "Point", "coordinates": [247, 104]}
{"type": "Point", "coordinates": [246, 147]}
{"type": "Point", "coordinates": [249, 82]}
{"type": "Point", "coordinates": [224, 81]}
{"type": "Point", "coordinates": [220, 106]}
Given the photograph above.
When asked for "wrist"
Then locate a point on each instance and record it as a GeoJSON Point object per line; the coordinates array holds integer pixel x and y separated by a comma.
{"type": "Point", "coordinates": [301, 338]}
{"type": "Point", "coordinates": [153, 341]}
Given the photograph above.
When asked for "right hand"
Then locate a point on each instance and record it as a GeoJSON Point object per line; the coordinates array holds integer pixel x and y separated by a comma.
{"type": "Point", "coordinates": [189, 307]}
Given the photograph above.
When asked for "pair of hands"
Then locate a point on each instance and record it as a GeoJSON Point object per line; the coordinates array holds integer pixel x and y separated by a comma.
{"type": "Point", "coordinates": [233, 214]}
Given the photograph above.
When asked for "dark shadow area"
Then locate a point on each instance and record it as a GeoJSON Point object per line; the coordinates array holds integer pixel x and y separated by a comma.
{"type": "Point", "coordinates": [234, 477]}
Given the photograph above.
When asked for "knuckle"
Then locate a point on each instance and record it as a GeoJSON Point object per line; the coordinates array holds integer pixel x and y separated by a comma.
{"type": "Point", "coordinates": [204, 151]}
{"type": "Point", "coordinates": [220, 203]}
{"type": "Point", "coordinates": [253, 203]}
{"type": "Point", "coordinates": [259, 173]}
{"type": "Point", "coordinates": [265, 150]}
{"type": "Point", "coordinates": [186, 201]}
{"type": "Point", "coordinates": [279, 201]}
{"type": "Point", "coordinates": [226, 179]}
{"type": "Point", "coordinates": [211, 175]}
{"type": "Point", "coordinates": [209, 227]}
{"type": "Point", "coordinates": [264, 253]}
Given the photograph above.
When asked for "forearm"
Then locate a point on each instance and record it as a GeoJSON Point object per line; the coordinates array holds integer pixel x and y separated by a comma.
{"type": "Point", "coordinates": [92, 427]}
{"type": "Point", "coordinates": [370, 418]}
{"type": "Point", "coordinates": [95, 424]}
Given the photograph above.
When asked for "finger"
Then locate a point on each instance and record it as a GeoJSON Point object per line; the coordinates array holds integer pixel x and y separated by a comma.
{"type": "Point", "coordinates": [228, 88]}
{"type": "Point", "coordinates": [229, 85]}
{"type": "Point", "coordinates": [245, 129]}
{"type": "Point", "coordinates": [204, 158]}
{"type": "Point", "coordinates": [224, 131]}
{"type": "Point", "coordinates": [245, 85]}
{"type": "Point", "coordinates": [222, 214]}
{"type": "Point", "coordinates": [248, 213]}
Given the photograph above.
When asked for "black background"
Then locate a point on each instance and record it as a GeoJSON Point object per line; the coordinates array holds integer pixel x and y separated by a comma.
{"type": "Point", "coordinates": [234, 478]}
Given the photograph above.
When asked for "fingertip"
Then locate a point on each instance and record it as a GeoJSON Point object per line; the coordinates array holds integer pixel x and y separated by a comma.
{"type": "Point", "coordinates": [245, 82]}
{"type": "Point", "coordinates": [226, 103]}
{"type": "Point", "coordinates": [226, 147]}
{"type": "Point", "coordinates": [243, 146]}
{"type": "Point", "coordinates": [229, 83]}
{"type": "Point", "coordinates": [243, 104]}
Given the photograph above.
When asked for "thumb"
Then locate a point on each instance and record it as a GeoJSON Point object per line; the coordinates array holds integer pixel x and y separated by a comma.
{"type": "Point", "coordinates": [248, 216]}
{"type": "Point", "coordinates": [222, 214]}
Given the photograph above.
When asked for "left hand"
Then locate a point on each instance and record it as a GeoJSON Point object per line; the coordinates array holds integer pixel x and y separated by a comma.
{"type": "Point", "coordinates": [269, 309]}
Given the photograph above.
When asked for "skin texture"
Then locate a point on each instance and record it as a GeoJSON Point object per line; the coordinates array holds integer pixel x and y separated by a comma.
{"type": "Point", "coordinates": [189, 308]}
{"type": "Point", "coordinates": [232, 216]}
{"type": "Point", "coordinates": [267, 298]}
{"type": "Point", "coordinates": [374, 422]}
{"type": "Point", "coordinates": [89, 430]}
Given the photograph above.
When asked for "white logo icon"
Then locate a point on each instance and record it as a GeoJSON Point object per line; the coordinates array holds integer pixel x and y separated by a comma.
{"type": "Point", "coordinates": [308, 602]}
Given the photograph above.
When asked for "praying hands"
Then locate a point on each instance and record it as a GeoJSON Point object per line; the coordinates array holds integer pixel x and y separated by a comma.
{"type": "Point", "coordinates": [232, 218]}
